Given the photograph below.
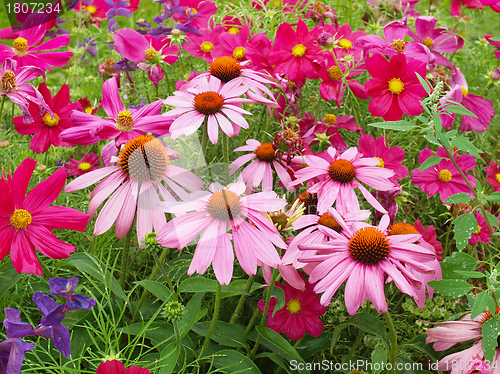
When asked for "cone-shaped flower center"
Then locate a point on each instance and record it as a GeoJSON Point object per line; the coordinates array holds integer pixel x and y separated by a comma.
{"type": "Point", "coordinates": [399, 45]}
{"type": "Point", "coordinates": [224, 205]}
{"type": "Point", "coordinates": [8, 81]}
{"type": "Point", "coordinates": [124, 121]}
{"type": "Point", "coordinates": [396, 86]}
{"type": "Point", "coordinates": [50, 121]}
{"type": "Point", "coordinates": [280, 221]}
{"type": "Point", "coordinates": [330, 120]}
{"type": "Point", "coordinates": [497, 177]}
{"type": "Point", "coordinates": [345, 43]}
{"type": "Point", "coordinates": [225, 68]}
{"type": "Point", "coordinates": [428, 42]}
{"type": "Point", "coordinates": [206, 47]}
{"type": "Point", "coordinates": [369, 246]}
{"type": "Point", "coordinates": [20, 46]}
{"type": "Point", "coordinates": [445, 176]}
{"type": "Point", "coordinates": [265, 152]}
{"type": "Point", "coordinates": [150, 54]}
{"type": "Point", "coordinates": [319, 7]}
{"type": "Point", "coordinates": [293, 306]}
{"type": "Point", "coordinates": [239, 53]}
{"type": "Point", "coordinates": [299, 50]}
{"type": "Point", "coordinates": [334, 73]}
{"type": "Point", "coordinates": [84, 166]}
{"type": "Point", "coordinates": [234, 30]}
{"type": "Point", "coordinates": [91, 9]}
{"type": "Point", "coordinates": [488, 315]}
{"type": "Point", "coordinates": [327, 220]}
{"type": "Point", "coordinates": [20, 219]}
{"type": "Point", "coordinates": [402, 228]}
{"type": "Point", "coordinates": [478, 230]}
{"type": "Point", "coordinates": [310, 201]}
{"type": "Point", "coordinates": [208, 103]}
{"type": "Point", "coordinates": [144, 159]}
{"type": "Point", "coordinates": [191, 11]}
{"type": "Point", "coordinates": [381, 163]}
{"type": "Point", "coordinates": [464, 91]}
{"type": "Point", "coordinates": [342, 171]}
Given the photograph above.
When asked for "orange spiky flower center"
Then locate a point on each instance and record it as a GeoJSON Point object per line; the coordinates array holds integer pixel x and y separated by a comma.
{"type": "Point", "coordinates": [208, 103]}
{"type": "Point", "coordinates": [369, 245]}
{"type": "Point", "coordinates": [265, 152]}
{"type": "Point", "coordinates": [310, 201]}
{"type": "Point", "coordinates": [8, 81]}
{"type": "Point", "coordinates": [401, 228]}
{"type": "Point", "coordinates": [224, 205]}
{"type": "Point", "coordinates": [342, 171]}
{"type": "Point", "coordinates": [327, 220]}
{"type": "Point", "coordinates": [225, 68]}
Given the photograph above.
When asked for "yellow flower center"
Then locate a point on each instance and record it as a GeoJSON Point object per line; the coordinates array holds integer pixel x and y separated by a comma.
{"type": "Point", "coordinates": [206, 47]}
{"type": "Point", "coordinates": [8, 81]}
{"type": "Point", "coordinates": [345, 44]}
{"type": "Point", "coordinates": [334, 73]}
{"type": "Point", "coordinates": [299, 50]}
{"type": "Point", "coordinates": [191, 11]}
{"type": "Point", "coordinates": [330, 120]}
{"type": "Point", "coordinates": [124, 121]}
{"type": "Point", "coordinates": [380, 162]}
{"type": "Point", "coordinates": [150, 54]}
{"type": "Point", "coordinates": [20, 219]}
{"type": "Point", "coordinates": [399, 45]}
{"type": "Point", "coordinates": [234, 30]}
{"type": "Point", "coordinates": [428, 42]}
{"type": "Point", "coordinates": [293, 306]}
{"type": "Point", "coordinates": [478, 230]}
{"type": "Point", "coordinates": [84, 166]}
{"type": "Point", "coordinates": [396, 86]}
{"type": "Point", "coordinates": [91, 9]}
{"type": "Point", "coordinates": [445, 176]}
{"type": "Point", "coordinates": [497, 177]}
{"type": "Point", "coordinates": [239, 53]}
{"type": "Point", "coordinates": [50, 121]}
{"type": "Point", "coordinates": [20, 46]}
{"type": "Point", "coordinates": [464, 91]}
{"type": "Point", "coordinates": [89, 110]}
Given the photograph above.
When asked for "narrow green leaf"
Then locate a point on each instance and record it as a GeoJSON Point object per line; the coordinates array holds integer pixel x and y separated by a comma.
{"type": "Point", "coordinates": [451, 287]}
{"type": "Point", "coordinates": [464, 226]}
{"type": "Point", "coordinates": [190, 313]}
{"type": "Point", "coordinates": [432, 139]}
{"type": "Point", "coordinates": [459, 109]}
{"type": "Point", "coordinates": [458, 198]}
{"type": "Point", "coordinates": [168, 358]}
{"type": "Point", "coordinates": [430, 162]}
{"type": "Point", "coordinates": [231, 361]}
{"type": "Point", "coordinates": [495, 39]}
{"type": "Point", "coordinates": [423, 119]}
{"type": "Point", "coordinates": [424, 84]}
{"type": "Point", "coordinates": [370, 323]}
{"type": "Point", "coordinates": [279, 295]}
{"type": "Point", "coordinates": [279, 344]}
{"type": "Point", "coordinates": [470, 274]}
{"type": "Point", "coordinates": [494, 197]}
{"type": "Point", "coordinates": [161, 291]}
{"type": "Point", "coordinates": [379, 357]}
{"type": "Point", "coordinates": [489, 332]}
{"type": "Point", "coordinates": [493, 219]}
{"type": "Point", "coordinates": [465, 145]}
{"type": "Point", "coordinates": [231, 335]}
{"type": "Point", "coordinates": [394, 125]}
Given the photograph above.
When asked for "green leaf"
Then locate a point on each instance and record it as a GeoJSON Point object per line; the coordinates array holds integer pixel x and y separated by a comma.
{"type": "Point", "coordinates": [161, 291]}
{"type": "Point", "coordinates": [480, 304]}
{"type": "Point", "coordinates": [493, 219]}
{"type": "Point", "coordinates": [191, 314]}
{"type": "Point", "coordinates": [430, 162]}
{"type": "Point", "coordinates": [451, 287]}
{"type": "Point", "coordinates": [8, 277]}
{"type": "Point", "coordinates": [424, 84]}
{"type": "Point", "coordinates": [489, 332]}
{"type": "Point", "coordinates": [278, 360]}
{"type": "Point", "coordinates": [459, 109]}
{"type": "Point", "coordinates": [200, 284]}
{"type": "Point", "coordinates": [168, 358]}
{"type": "Point", "coordinates": [495, 39]}
{"type": "Point", "coordinates": [457, 261]}
{"type": "Point", "coordinates": [279, 295]}
{"type": "Point", "coordinates": [370, 323]}
{"type": "Point", "coordinates": [495, 197]}
{"type": "Point", "coordinates": [379, 357]}
{"type": "Point", "coordinates": [419, 344]}
{"type": "Point", "coordinates": [278, 344]}
{"type": "Point", "coordinates": [394, 125]}
{"type": "Point", "coordinates": [464, 226]}
{"type": "Point", "coordinates": [458, 198]}
{"type": "Point", "coordinates": [231, 361]}
{"type": "Point", "coordinates": [157, 331]}
{"type": "Point", "coordinates": [224, 333]}
{"type": "Point", "coordinates": [432, 139]}
{"type": "Point", "coordinates": [423, 119]}
{"type": "Point", "coordinates": [466, 146]}
{"type": "Point", "coordinates": [470, 274]}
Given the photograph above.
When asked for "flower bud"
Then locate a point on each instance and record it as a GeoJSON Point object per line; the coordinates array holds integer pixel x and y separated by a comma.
{"type": "Point", "coordinates": [495, 74]}
{"type": "Point", "coordinates": [173, 311]}
{"type": "Point", "coordinates": [4, 144]}
{"type": "Point", "coordinates": [325, 39]}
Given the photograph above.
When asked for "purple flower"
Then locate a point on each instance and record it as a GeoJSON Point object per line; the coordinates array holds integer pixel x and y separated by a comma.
{"type": "Point", "coordinates": [89, 47]}
{"type": "Point", "coordinates": [12, 350]}
{"type": "Point", "coordinates": [65, 288]}
{"type": "Point", "coordinates": [118, 8]}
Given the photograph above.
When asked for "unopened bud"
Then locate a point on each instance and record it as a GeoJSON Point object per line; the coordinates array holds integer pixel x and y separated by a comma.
{"type": "Point", "coordinates": [175, 32]}
{"type": "Point", "coordinates": [325, 39]}
{"type": "Point", "coordinates": [495, 75]}
{"type": "Point", "coordinates": [173, 311]}
{"type": "Point", "coordinates": [4, 144]}
{"type": "Point", "coordinates": [41, 167]}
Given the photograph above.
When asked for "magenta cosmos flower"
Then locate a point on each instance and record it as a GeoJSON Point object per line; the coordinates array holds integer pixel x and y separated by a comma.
{"type": "Point", "coordinates": [494, 44]}
{"type": "Point", "coordinates": [214, 214]}
{"type": "Point", "coordinates": [234, 45]}
{"type": "Point", "coordinates": [210, 101]}
{"type": "Point", "coordinates": [46, 127]}
{"type": "Point", "coordinates": [261, 169]}
{"type": "Point", "coordinates": [133, 183]}
{"type": "Point", "coordinates": [25, 49]}
{"type": "Point", "coordinates": [296, 53]}
{"type": "Point", "coordinates": [444, 178]}
{"type": "Point", "coordinates": [493, 172]}
{"type": "Point", "coordinates": [299, 316]}
{"type": "Point", "coordinates": [26, 221]}
{"type": "Point", "coordinates": [340, 174]}
{"type": "Point", "coordinates": [329, 126]}
{"type": "Point", "coordinates": [124, 124]}
{"type": "Point", "coordinates": [203, 45]}
{"type": "Point", "coordinates": [429, 235]}
{"type": "Point", "coordinates": [117, 367]}
{"type": "Point", "coordinates": [346, 41]}
{"type": "Point", "coordinates": [87, 164]}
{"type": "Point", "coordinates": [197, 14]}
{"type": "Point", "coordinates": [366, 257]}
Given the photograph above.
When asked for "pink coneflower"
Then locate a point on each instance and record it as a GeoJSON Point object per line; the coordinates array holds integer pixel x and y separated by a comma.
{"type": "Point", "coordinates": [133, 183]}
{"type": "Point", "coordinates": [123, 125]}
{"type": "Point", "coordinates": [87, 164]}
{"type": "Point", "coordinates": [395, 88]}
{"type": "Point", "coordinates": [210, 101]}
{"type": "Point", "coordinates": [215, 214]}
{"type": "Point", "coordinates": [444, 177]}
{"type": "Point", "coordinates": [493, 172]}
{"type": "Point", "coordinates": [299, 316]}
{"type": "Point", "coordinates": [45, 126]}
{"type": "Point", "coordinates": [27, 221]}
{"type": "Point", "coordinates": [231, 44]}
{"type": "Point", "coordinates": [365, 257]}
{"type": "Point", "coordinates": [25, 49]}
{"type": "Point", "coordinates": [261, 169]}
{"type": "Point", "coordinates": [203, 45]}
{"type": "Point", "coordinates": [340, 174]}
{"type": "Point", "coordinates": [117, 367]}
{"type": "Point", "coordinates": [482, 233]}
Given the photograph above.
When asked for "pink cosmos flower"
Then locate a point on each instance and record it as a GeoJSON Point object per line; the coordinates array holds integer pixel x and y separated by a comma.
{"type": "Point", "coordinates": [494, 44]}
{"type": "Point", "coordinates": [261, 169]}
{"type": "Point", "coordinates": [123, 125]}
{"type": "Point", "coordinates": [339, 175]}
{"type": "Point", "coordinates": [444, 177]}
{"type": "Point", "coordinates": [27, 221]}
{"type": "Point", "coordinates": [99, 8]}
{"type": "Point", "coordinates": [45, 126]}
{"type": "Point", "coordinates": [257, 50]}
{"type": "Point", "coordinates": [395, 88]}
{"type": "Point", "coordinates": [133, 183]}
{"type": "Point", "coordinates": [25, 47]}
{"type": "Point", "coordinates": [346, 40]}
{"type": "Point", "coordinates": [214, 214]}
{"type": "Point", "coordinates": [299, 316]}
{"type": "Point", "coordinates": [482, 233]}
{"type": "Point", "coordinates": [233, 45]}
{"type": "Point", "coordinates": [429, 235]}
{"type": "Point", "coordinates": [197, 14]}
{"type": "Point", "coordinates": [296, 53]}
{"type": "Point", "coordinates": [363, 257]}
{"type": "Point", "coordinates": [202, 45]}
{"type": "Point", "coordinates": [493, 172]}
{"type": "Point", "coordinates": [117, 367]}
{"type": "Point", "coordinates": [210, 101]}
{"type": "Point", "coordinates": [456, 6]}
{"type": "Point", "coordinates": [330, 125]}
{"type": "Point", "coordinates": [87, 164]}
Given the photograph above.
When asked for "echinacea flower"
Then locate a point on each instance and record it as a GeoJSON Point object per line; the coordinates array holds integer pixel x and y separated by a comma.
{"type": "Point", "coordinates": [299, 316]}
{"type": "Point", "coordinates": [26, 221]}
{"type": "Point", "coordinates": [87, 164]}
{"type": "Point", "coordinates": [215, 214]}
{"type": "Point", "coordinates": [133, 183]}
{"type": "Point", "coordinates": [493, 172]}
{"type": "Point", "coordinates": [117, 367]}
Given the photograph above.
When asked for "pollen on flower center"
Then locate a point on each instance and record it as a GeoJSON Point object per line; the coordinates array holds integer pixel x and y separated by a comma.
{"type": "Point", "coordinates": [381, 163]}
{"type": "Point", "coordinates": [84, 166]}
{"type": "Point", "coordinates": [299, 50]}
{"type": "Point", "coordinates": [124, 121]}
{"type": "Point", "coordinates": [8, 81]}
{"type": "Point", "coordinates": [396, 86]}
{"type": "Point", "coordinates": [20, 46]}
{"type": "Point", "coordinates": [445, 176]}
{"type": "Point", "coordinates": [224, 205]}
{"type": "Point", "coordinates": [369, 246]}
{"type": "Point", "coordinates": [310, 201]}
{"type": "Point", "coordinates": [327, 220]}
{"type": "Point", "coordinates": [293, 306]}
{"type": "Point", "coordinates": [225, 68]}
{"type": "Point", "coordinates": [91, 9]}
{"type": "Point", "coordinates": [206, 47]}
{"type": "Point", "coordinates": [478, 230]}
{"type": "Point", "coordinates": [191, 11]}
{"type": "Point", "coordinates": [144, 158]}
{"type": "Point", "coordinates": [401, 228]}
{"type": "Point", "coordinates": [342, 171]}
{"type": "Point", "coordinates": [497, 177]}
{"type": "Point", "coordinates": [334, 73]}
{"type": "Point", "coordinates": [50, 121]}
{"type": "Point", "coordinates": [464, 91]}
{"type": "Point", "coordinates": [108, 66]}
{"type": "Point", "coordinates": [208, 103]}
{"type": "Point", "coordinates": [330, 120]}
{"type": "Point", "coordinates": [265, 152]}
{"type": "Point", "coordinates": [399, 45]}
{"type": "Point", "coordinates": [239, 53]}
{"type": "Point", "coordinates": [234, 30]}
{"type": "Point", "coordinates": [150, 54]}
{"type": "Point", "coordinates": [486, 316]}
{"type": "Point", "coordinates": [428, 42]}
{"type": "Point", "coordinates": [20, 219]}
{"type": "Point", "coordinates": [345, 43]}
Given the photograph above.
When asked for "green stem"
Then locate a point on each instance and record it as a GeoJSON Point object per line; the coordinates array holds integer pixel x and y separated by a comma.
{"type": "Point", "coordinates": [99, 152]}
{"type": "Point", "coordinates": [486, 87]}
{"type": "Point", "coordinates": [125, 256]}
{"type": "Point", "coordinates": [214, 319]}
{"type": "Point", "coordinates": [203, 150]}
{"type": "Point", "coordinates": [165, 275]}
{"type": "Point", "coordinates": [252, 320]}
{"type": "Point", "coordinates": [1, 108]}
{"type": "Point", "coordinates": [243, 296]}
{"type": "Point", "coordinates": [394, 342]}
{"type": "Point", "coordinates": [225, 150]}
